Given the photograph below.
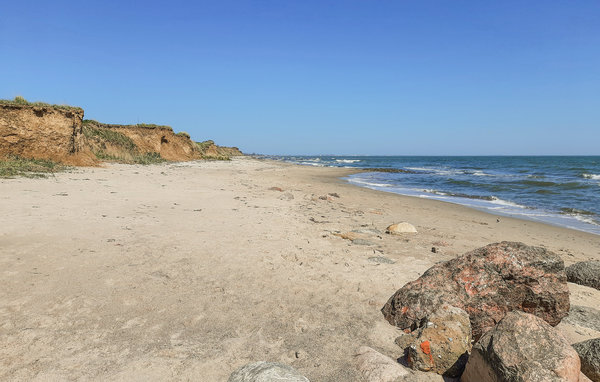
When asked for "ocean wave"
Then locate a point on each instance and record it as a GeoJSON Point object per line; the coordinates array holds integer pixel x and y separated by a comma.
{"type": "Point", "coordinates": [591, 176]}
{"type": "Point", "coordinates": [372, 184]}
{"type": "Point", "coordinates": [575, 211]}
{"type": "Point", "coordinates": [347, 160]}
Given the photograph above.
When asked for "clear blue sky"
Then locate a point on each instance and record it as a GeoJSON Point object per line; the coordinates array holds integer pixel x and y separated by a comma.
{"type": "Point", "coordinates": [318, 76]}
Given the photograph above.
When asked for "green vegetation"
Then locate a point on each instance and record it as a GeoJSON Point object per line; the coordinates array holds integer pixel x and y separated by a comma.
{"type": "Point", "coordinates": [22, 101]}
{"type": "Point", "coordinates": [91, 131]}
{"type": "Point", "coordinates": [136, 158]}
{"type": "Point", "coordinates": [29, 168]}
{"type": "Point", "coordinates": [204, 145]}
{"type": "Point", "coordinates": [151, 126]}
{"type": "Point", "coordinates": [183, 134]}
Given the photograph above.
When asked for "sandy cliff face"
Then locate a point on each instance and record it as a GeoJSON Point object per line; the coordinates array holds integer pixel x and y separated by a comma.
{"type": "Point", "coordinates": [42, 132]}
{"type": "Point", "coordinates": [209, 149]}
{"type": "Point", "coordinates": [59, 133]}
{"type": "Point", "coordinates": [155, 139]}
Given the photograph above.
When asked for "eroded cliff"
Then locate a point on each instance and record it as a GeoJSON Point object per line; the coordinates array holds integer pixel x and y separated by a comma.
{"type": "Point", "coordinates": [42, 131]}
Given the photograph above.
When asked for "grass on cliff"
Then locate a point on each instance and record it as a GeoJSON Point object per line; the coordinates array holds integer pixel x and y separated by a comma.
{"type": "Point", "coordinates": [108, 135]}
{"type": "Point", "coordinates": [20, 101]}
{"type": "Point", "coordinates": [136, 158]}
{"type": "Point", "coordinates": [29, 168]}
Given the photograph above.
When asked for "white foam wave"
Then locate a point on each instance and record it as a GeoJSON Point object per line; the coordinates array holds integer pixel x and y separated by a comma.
{"type": "Point", "coordinates": [591, 176]}
{"type": "Point", "coordinates": [347, 160]}
{"type": "Point", "coordinates": [372, 184]}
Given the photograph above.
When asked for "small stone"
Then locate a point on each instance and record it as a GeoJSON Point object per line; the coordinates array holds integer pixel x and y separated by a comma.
{"type": "Point", "coordinates": [362, 242]}
{"type": "Point", "coordinates": [400, 228]}
{"type": "Point", "coordinates": [434, 249]}
{"type": "Point", "coordinates": [381, 260]}
{"type": "Point", "coordinates": [589, 353]}
{"type": "Point", "coordinates": [287, 196]}
{"type": "Point", "coordinates": [266, 372]}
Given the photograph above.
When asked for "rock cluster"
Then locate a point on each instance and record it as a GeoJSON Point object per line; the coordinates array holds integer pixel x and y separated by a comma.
{"type": "Point", "coordinates": [487, 283]}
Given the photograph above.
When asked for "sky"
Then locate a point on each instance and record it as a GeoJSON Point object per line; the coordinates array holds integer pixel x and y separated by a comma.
{"type": "Point", "coordinates": [318, 76]}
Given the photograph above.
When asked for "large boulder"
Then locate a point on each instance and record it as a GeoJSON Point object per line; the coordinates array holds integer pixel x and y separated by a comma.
{"type": "Point", "coordinates": [589, 352]}
{"type": "Point", "coordinates": [522, 347]}
{"type": "Point", "coordinates": [487, 283]}
{"type": "Point", "coordinates": [585, 273]}
{"type": "Point", "coordinates": [584, 316]}
{"type": "Point", "coordinates": [441, 344]}
{"type": "Point", "coordinates": [266, 372]}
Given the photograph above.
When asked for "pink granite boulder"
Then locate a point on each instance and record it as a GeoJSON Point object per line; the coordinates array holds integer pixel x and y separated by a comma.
{"type": "Point", "coordinates": [487, 283]}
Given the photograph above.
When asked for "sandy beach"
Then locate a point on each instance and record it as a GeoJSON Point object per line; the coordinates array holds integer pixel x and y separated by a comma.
{"type": "Point", "coordinates": [187, 271]}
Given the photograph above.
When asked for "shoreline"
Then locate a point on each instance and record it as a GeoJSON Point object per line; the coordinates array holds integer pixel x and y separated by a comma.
{"type": "Point", "coordinates": [552, 218]}
{"type": "Point", "coordinates": [189, 270]}
{"type": "Point", "coordinates": [348, 171]}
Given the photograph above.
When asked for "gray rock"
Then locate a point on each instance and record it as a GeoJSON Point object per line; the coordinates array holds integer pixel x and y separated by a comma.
{"type": "Point", "coordinates": [589, 353]}
{"type": "Point", "coordinates": [584, 316]}
{"type": "Point", "coordinates": [585, 273]}
{"type": "Point", "coordinates": [522, 347]}
{"type": "Point", "coordinates": [266, 372]}
{"type": "Point", "coordinates": [287, 196]}
{"type": "Point", "coordinates": [362, 242]}
{"type": "Point", "coordinates": [381, 260]}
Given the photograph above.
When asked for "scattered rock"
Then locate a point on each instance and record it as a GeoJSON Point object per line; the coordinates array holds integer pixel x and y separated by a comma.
{"type": "Point", "coordinates": [348, 235]}
{"type": "Point", "coordinates": [362, 242]}
{"type": "Point", "coordinates": [400, 228]}
{"type": "Point", "coordinates": [276, 189]}
{"type": "Point", "coordinates": [585, 273]}
{"type": "Point", "coordinates": [584, 316]}
{"type": "Point", "coordinates": [589, 353]}
{"type": "Point", "coordinates": [326, 197]}
{"type": "Point", "coordinates": [287, 196]}
{"type": "Point", "coordinates": [487, 283]}
{"type": "Point", "coordinates": [434, 249]}
{"type": "Point", "coordinates": [334, 194]}
{"type": "Point", "coordinates": [381, 260]}
{"type": "Point", "coordinates": [376, 367]}
{"type": "Point", "coordinates": [266, 372]}
{"type": "Point", "coordinates": [367, 231]}
{"type": "Point", "coordinates": [441, 344]}
{"type": "Point", "coordinates": [522, 347]}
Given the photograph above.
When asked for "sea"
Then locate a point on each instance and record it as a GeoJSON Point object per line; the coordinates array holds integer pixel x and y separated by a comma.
{"type": "Point", "coordinates": [559, 190]}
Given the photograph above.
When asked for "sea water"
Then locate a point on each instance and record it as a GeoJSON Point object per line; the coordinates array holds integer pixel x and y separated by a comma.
{"type": "Point", "coordinates": [559, 190]}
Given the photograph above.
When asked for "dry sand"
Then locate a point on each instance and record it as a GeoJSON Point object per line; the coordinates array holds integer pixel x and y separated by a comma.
{"type": "Point", "coordinates": [187, 271]}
